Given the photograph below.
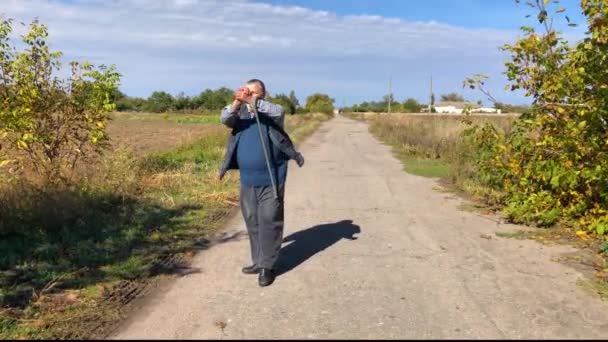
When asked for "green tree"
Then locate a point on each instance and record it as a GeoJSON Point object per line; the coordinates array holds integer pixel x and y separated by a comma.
{"type": "Point", "coordinates": [131, 104]}
{"type": "Point", "coordinates": [50, 125]}
{"type": "Point", "coordinates": [285, 102]}
{"type": "Point", "coordinates": [293, 99]}
{"type": "Point", "coordinates": [125, 103]}
{"type": "Point", "coordinates": [411, 106]}
{"type": "Point", "coordinates": [452, 97]}
{"type": "Point", "coordinates": [320, 103]}
{"type": "Point", "coordinates": [182, 102]}
{"type": "Point", "coordinates": [214, 99]}
{"type": "Point", "coordinates": [117, 95]}
{"type": "Point", "coordinates": [223, 97]}
{"type": "Point", "coordinates": [159, 102]}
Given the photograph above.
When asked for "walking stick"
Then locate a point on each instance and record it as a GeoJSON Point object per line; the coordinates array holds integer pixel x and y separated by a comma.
{"type": "Point", "coordinates": [266, 152]}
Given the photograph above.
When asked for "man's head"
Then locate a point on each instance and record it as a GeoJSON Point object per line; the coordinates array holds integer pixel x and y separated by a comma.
{"type": "Point", "coordinates": [257, 87]}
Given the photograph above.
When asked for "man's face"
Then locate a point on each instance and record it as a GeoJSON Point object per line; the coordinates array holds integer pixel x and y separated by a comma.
{"type": "Point", "coordinates": [255, 89]}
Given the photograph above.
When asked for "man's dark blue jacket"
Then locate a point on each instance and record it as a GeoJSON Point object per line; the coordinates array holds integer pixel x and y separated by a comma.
{"type": "Point", "coordinates": [270, 114]}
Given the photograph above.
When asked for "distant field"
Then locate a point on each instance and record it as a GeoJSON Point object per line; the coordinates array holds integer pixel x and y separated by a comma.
{"type": "Point", "coordinates": [146, 132]}
{"type": "Point", "coordinates": [175, 118]}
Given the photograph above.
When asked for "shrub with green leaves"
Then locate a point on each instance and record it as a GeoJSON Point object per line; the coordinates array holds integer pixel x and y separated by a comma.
{"type": "Point", "coordinates": [553, 165]}
{"type": "Point", "coordinates": [320, 103]}
{"type": "Point", "coordinates": [49, 125]}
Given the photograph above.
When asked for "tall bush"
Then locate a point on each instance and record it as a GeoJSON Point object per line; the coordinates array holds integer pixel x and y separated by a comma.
{"type": "Point", "coordinates": [49, 125]}
{"type": "Point", "coordinates": [554, 164]}
{"type": "Point", "coordinates": [320, 103]}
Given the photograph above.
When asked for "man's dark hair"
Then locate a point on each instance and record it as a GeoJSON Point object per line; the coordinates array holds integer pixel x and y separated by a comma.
{"type": "Point", "coordinates": [260, 83]}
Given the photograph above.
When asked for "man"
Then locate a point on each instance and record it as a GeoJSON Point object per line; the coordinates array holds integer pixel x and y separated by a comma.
{"type": "Point", "coordinates": [262, 211]}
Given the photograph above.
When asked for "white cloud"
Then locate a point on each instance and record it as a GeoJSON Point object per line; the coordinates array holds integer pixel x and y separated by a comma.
{"type": "Point", "coordinates": [191, 44]}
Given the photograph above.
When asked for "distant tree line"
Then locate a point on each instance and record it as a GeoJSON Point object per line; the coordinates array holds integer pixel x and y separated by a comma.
{"type": "Point", "coordinates": [452, 97]}
{"type": "Point", "coordinates": [214, 100]}
{"type": "Point", "coordinates": [411, 105]}
{"type": "Point", "coordinates": [162, 101]}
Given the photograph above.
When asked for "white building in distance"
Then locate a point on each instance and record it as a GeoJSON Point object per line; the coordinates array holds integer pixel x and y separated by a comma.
{"type": "Point", "coordinates": [450, 107]}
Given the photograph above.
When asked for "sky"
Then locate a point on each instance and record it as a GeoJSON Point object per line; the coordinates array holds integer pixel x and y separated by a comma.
{"type": "Point", "coordinates": [347, 49]}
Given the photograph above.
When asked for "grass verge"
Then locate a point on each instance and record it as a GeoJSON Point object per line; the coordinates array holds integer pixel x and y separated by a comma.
{"type": "Point", "coordinates": [418, 166]}
{"type": "Point", "coordinates": [595, 286]}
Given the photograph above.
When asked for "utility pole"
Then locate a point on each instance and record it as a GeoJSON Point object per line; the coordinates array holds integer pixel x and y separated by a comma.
{"type": "Point", "coordinates": [431, 97]}
{"type": "Point", "coordinates": [390, 93]}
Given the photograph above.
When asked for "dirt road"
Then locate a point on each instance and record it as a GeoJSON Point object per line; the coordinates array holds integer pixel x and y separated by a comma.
{"type": "Point", "coordinates": [418, 268]}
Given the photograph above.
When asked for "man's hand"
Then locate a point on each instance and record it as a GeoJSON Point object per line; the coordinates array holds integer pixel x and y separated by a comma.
{"type": "Point", "coordinates": [243, 94]}
{"type": "Point", "coordinates": [239, 97]}
{"type": "Point", "coordinates": [236, 105]}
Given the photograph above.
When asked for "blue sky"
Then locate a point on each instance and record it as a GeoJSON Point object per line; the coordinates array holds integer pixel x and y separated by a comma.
{"type": "Point", "coordinates": [467, 13]}
{"type": "Point", "coordinates": [348, 49]}
{"type": "Point", "coordinates": [499, 14]}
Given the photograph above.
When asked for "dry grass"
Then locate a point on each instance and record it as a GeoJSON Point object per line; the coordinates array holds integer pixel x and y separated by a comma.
{"type": "Point", "coordinates": [429, 134]}
{"type": "Point", "coordinates": [429, 145]}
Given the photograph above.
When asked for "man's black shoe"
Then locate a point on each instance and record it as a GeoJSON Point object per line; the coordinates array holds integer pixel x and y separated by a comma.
{"type": "Point", "coordinates": [266, 277]}
{"type": "Point", "coordinates": [253, 269]}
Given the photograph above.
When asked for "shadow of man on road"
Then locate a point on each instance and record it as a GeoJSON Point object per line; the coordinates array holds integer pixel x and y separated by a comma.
{"type": "Point", "coordinates": [306, 243]}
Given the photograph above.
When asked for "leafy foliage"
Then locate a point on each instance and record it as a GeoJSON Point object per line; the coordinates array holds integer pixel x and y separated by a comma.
{"type": "Point", "coordinates": [411, 106]}
{"type": "Point", "coordinates": [213, 99]}
{"type": "Point", "coordinates": [162, 102]}
{"type": "Point", "coordinates": [208, 100]}
{"type": "Point", "coordinates": [159, 102]}
{"type": "Point", "coordinates": [290, 103]}
{"type": "Point", "coordinates": [320, 103]}
{"type": "Point", "coordinates": [293, 99]}
{"type": "Point", "coordinates": [454, 97]}
{"type": "Point", "coordinates": [47, 124]}
{"type": "Point", "coordinates": [554, 164]}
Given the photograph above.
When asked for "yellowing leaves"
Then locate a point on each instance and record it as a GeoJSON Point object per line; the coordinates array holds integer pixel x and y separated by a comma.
{"type": "Point", "coordinates": [582, 234]}
{"type": "Point", "coordinates": [555, 167]}
{"type": "Point", "coordinates": [4, 163]}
